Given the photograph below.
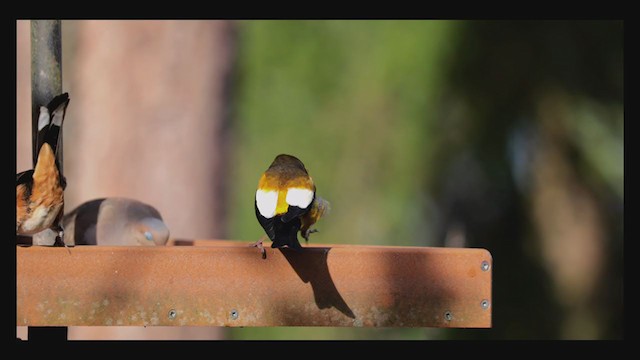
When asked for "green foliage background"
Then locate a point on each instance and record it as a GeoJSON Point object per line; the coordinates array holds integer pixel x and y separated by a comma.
{"type": "Point", "coordinates": [409, 126]}
{"type": "Point", "coordinates": [354, 101]}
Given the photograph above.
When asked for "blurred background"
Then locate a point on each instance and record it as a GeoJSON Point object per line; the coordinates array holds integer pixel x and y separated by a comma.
{"type": "Point", "coordinates": [504, 135]}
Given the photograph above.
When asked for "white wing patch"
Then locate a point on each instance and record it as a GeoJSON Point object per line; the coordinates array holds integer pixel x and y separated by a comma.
{"type": "Point", "coordinates": [299, 197]}
{"type": "Point", "coordinates": [43, 118]}
{"type": "Point", "coordinates": [58, 115]}
{"type": "Point", "coordinates": [267, 202]}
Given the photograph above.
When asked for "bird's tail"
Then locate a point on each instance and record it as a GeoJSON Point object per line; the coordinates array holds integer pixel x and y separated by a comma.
{"type": "Point", "coordinates": [50, 124]}
{"type": "Point", "coordinates": [287, 234]}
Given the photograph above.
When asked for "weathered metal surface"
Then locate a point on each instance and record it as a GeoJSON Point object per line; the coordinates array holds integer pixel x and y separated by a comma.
{"type": "Point", "coordinates": [46, 73]}
{"type": "Point", "coordinates": [224, 283]}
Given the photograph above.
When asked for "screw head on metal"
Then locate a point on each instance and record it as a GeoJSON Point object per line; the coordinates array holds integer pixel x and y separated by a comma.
{"type": "Point", "coordinates": [484, 304]}
{"type": "Point", "coordinates": [485, 265]}
{"type": "Point", "coordinates": [234, 314]}
{"type": "Point", "coordinates": [448, 315]}
{"type": "Point", "coordinates": [172, 314]}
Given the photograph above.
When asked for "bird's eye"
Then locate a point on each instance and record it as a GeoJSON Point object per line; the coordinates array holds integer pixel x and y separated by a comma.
{"type": "Point", "coordinates": [148, 235]}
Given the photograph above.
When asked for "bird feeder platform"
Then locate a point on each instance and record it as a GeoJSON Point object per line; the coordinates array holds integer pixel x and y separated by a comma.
{"type": "Point", "coordinates": [228, 283]}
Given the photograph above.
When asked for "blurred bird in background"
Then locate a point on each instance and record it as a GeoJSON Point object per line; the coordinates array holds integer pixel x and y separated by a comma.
{"type": "Point", "coordinates": [40, 191]}
{"type": "Point", "coordinates": [286, 203]}
{"type": "Point", "coordinates": [115, 221]}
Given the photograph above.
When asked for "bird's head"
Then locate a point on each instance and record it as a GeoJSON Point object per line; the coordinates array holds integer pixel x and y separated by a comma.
{"type": "Point", "coordinates": [284, 160]}
{"type": "Point", "coordinates": [150, 231]}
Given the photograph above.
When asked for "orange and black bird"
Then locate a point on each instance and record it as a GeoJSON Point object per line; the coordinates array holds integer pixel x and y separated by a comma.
{"type": "Point", "coordinates": [286, 203]}
{"type": "Point", "coordinates": [40, 191]}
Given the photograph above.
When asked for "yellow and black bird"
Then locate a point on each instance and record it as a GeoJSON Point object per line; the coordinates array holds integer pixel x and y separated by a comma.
{"type": "Point", "coordinates": [286, 203]}
{"type": "Point", "coordinates": [40, 191]}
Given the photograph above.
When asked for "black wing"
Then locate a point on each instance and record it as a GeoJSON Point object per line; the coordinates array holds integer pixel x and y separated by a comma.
{"type": "Point", "coordinates": [294, 212]}
{"type": "Point", "coordinates": [24, 177]}
{"type": "Point", "coordinates": [267, 224]}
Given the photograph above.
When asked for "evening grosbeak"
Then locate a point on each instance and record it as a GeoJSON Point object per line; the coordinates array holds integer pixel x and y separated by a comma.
{"type": "Point", "coordinates": [115, 221]}
{"type": "Point", "coordinates": [40, 191]}
{"type": "Point", "coordinates": [286, 203]}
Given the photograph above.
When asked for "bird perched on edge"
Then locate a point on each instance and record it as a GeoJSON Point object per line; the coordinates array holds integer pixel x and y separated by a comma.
{"type": "Point", "coordinates": [286, 203]}
{"type": "Point", "coordinates": [115, 221]}
{"type": "Point", "coordinates": [40, 191]}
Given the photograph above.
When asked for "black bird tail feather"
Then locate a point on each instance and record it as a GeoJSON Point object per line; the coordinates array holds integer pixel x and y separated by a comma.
{"type": "Point", "coordinates": [287, 234]}
{"type": "Point", "coordinates": [50, 124]}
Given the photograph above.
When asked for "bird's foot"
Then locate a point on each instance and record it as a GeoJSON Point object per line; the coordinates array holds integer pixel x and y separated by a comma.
{"type": "Point", "coordinates": [59, 241]}
{"type": "Point", "coordinates": [260, 247]}
{"type": "Point", "coordinates": [307, 233]}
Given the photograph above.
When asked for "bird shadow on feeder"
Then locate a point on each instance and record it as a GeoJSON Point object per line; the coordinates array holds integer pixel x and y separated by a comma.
{"type": "Point", "coordinates": [311, 266]}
